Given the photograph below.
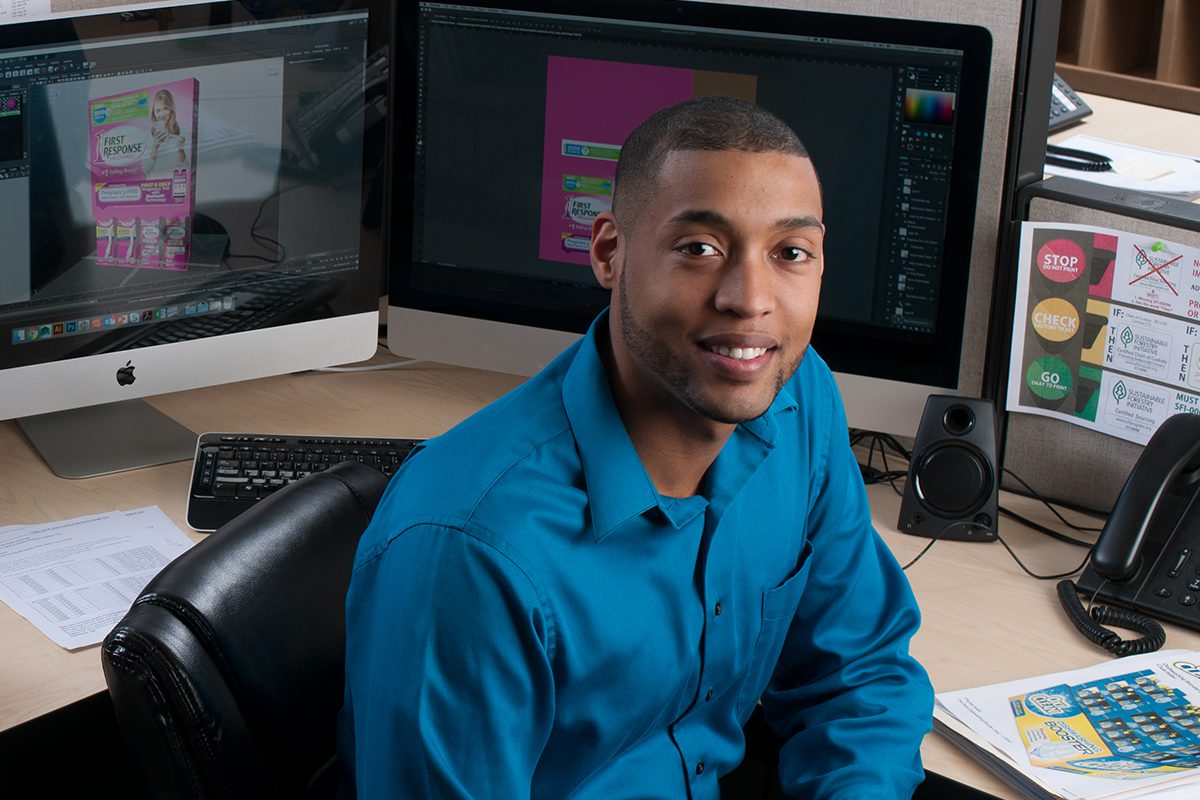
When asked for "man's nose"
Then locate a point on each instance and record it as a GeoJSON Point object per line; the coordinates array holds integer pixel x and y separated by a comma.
{"type": "Point", "coordinates": [746, 287]}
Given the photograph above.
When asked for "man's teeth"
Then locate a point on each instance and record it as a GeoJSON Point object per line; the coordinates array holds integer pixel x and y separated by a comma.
{"type": "Point", "coordinates": [739, 353]}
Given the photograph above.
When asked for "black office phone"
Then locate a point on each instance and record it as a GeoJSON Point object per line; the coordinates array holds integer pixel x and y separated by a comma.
{"type": "Point", "coordinates": [1147, 558]}
{"type": "Point", "coordinates": [1066, 107]}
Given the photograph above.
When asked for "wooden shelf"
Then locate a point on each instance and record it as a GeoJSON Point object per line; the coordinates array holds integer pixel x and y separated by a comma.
{"type": "Point", "coordinates": [1139, 50]}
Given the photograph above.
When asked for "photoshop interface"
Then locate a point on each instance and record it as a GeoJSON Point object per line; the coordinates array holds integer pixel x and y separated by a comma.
{"type": "Point", "coordinates": [523, 157]}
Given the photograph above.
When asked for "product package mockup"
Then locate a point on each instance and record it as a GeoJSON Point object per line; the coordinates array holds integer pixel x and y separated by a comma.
{"type": "Point", "coordinates": [143, 167]}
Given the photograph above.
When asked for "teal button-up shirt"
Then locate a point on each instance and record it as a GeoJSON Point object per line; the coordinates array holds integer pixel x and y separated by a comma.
{"type": "Point", "coordinates": [529, 617]}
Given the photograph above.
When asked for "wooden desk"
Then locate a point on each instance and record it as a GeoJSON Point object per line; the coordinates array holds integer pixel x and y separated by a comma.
{"type": "Point", "coordinates": [36, 675]}
{"type": "Point", "coordinates": [984, 620]}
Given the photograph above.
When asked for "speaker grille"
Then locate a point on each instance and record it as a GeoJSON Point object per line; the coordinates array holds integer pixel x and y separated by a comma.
{"type": "Point", "coordinates": [953, 479]}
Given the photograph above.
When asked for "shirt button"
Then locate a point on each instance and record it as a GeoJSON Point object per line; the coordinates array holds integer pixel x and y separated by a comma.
{"type": "Point", "coordinates": [717, 609]}
{"type": "Point", "coordinates": [708, 696]}
{"type": "Point", "coordinates": [699, 767]}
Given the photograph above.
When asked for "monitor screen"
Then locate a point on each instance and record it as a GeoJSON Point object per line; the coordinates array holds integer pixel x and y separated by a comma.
{"type": "Point", "coordinates": [191, 196]}
{"type": "Point", "coordinates": [510, 165]}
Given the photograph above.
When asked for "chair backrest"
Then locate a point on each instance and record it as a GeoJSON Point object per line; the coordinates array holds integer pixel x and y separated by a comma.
{"type": "Point", "coordinates": [227, 673]}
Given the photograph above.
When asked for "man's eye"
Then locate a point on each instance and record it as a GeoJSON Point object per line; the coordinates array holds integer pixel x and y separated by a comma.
{"type": "Point", "coordinates": [794, 254]}
{"type": "Point", "coordinates": [698, 249]}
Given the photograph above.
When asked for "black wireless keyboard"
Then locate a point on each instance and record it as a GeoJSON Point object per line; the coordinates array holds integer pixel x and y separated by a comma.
{"type": "Point", "coordinates": [233, 471]}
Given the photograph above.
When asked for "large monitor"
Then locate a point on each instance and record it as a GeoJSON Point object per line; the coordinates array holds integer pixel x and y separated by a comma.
{"type": "Point", "coordinates": [191, 196]}
{"type": "Point", "coordinates": [518, 112]}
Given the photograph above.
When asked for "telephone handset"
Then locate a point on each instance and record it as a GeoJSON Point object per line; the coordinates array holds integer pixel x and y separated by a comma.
{"type": "Point", "coordinates": [1148, 556]}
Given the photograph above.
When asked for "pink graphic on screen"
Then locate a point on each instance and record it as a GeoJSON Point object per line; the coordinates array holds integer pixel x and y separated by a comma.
{"type": "Point", "coordinates": [591, 106]}
{"type": "Point", "coordinates": [142, 156]}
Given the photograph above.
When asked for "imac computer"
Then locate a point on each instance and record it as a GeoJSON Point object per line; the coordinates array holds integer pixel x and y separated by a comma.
{"type": "Point", "coordinates": [517, 112]}
{"type": "Point", "coordinates": [191, 195]}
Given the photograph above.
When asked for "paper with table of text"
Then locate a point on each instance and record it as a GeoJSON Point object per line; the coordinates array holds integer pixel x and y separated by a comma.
{"type": "Point", "coordinates": [74, 579]}
{"type": "Point", "coordinates": [1106, 329]}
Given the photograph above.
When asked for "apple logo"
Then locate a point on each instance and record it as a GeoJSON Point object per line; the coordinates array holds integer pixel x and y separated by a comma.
{"type": "Point", "coordinates": [125, 374]}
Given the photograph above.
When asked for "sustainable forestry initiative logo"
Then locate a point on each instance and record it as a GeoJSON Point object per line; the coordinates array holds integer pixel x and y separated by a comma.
{"type": "Point", "coordinates": [1120, 391]}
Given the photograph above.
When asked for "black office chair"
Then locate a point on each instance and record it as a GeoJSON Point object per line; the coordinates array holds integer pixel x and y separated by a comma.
{"type": "Point", "coordinates": [226, 675]}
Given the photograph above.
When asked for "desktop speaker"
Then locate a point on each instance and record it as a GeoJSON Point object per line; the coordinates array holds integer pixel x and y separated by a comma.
{"type": "Point", "coordinates": [952, 482]}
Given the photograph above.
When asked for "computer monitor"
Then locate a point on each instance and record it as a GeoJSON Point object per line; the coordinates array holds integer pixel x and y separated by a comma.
{"type": "Point", "coordinates": [518, 114]}
{"type": "Point", "coordinates": [191, 196]}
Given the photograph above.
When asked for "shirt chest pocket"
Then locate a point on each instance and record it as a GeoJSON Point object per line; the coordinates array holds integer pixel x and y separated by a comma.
{"type": "Point", "coordinates": [778, 609]}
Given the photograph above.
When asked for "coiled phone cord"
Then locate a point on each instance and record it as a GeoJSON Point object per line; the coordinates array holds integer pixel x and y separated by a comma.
{"type": "Point", "coordinates": [1091, 625]}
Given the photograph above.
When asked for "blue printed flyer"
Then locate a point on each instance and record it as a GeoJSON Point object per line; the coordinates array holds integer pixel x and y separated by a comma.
{"type": "Point", "coordinates": [1127, 728]}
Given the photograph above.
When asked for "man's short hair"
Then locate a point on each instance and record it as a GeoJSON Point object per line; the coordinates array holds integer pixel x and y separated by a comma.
{"type": "Point", "coordinates": [702, 123]}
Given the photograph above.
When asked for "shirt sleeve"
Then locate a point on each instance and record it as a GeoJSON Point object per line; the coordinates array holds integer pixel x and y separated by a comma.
{"type": "Point", "coordinates": [850, 702]}
{"type": "Point", "coordinates": [449, 687]}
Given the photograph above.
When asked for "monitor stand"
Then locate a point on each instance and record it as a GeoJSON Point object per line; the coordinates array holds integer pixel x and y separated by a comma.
{"type": "Point", "coordinates": [98, 440]}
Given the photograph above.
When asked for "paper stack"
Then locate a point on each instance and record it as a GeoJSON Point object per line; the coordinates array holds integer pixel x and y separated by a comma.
{"type": "Point", "coordinates": [1127, 728]}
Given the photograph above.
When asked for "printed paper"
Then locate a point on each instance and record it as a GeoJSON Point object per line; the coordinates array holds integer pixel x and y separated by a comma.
{"type": "Point", "coordinates": [1105, 329]}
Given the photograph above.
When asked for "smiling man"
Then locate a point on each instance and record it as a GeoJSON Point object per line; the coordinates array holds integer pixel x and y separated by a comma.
{"type": "Point", "coordinates": [586, 589]}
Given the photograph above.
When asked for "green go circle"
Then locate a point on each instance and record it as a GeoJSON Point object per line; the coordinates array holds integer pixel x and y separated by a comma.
{"type": "Point", "coordinates": [1049, 378]}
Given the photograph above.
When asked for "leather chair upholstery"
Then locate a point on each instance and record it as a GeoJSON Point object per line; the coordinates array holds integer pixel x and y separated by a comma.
{"type": "Point", "coordinates": [226, 674]}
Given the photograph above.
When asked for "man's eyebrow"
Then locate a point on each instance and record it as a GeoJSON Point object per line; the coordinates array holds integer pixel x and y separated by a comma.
{"type": "Point", "coordinates": [702, 216]}
{"type": "Point", "coordinates": [705, 216]}
{"type": "Point", "coordinates": [806, 221]}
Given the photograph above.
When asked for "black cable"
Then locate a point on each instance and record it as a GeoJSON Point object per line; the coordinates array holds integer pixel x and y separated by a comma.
{"type": "Point", "coordinates": [893, 443]}
{"type": "Point", "coordinates": [1091, 624]}
{"type": "Point", "coordinates": [1034, 493]}
{"type": "Point", "coordinates": [933, 539]}
{"type": "Point", "coordinates": [1081, 160]}
{"type": "Point", "coordinates": [1040, 528]}
{"type": "Point", "coordinates": [881, 442]}
{"type": "Point", "coordinates": [1033, 574]}
{"type": "Point", "coordinates": [889, 474]}
{"type": "Point", "coordinates": [1011, 552]}
{"type": "Point", "coordinates": [280, 252]}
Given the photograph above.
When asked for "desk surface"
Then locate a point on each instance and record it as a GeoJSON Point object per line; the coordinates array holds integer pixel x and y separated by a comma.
{"type": "Point", "coordinates": [36, 675]}
{"type": "Point", "coordinates": [1132, 123]}
{"type": "Point", "coordinates": [984, 620]}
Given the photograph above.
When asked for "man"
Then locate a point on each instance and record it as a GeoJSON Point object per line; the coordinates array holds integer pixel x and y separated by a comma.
{"type": "Point", "coordinates": [584, 589]}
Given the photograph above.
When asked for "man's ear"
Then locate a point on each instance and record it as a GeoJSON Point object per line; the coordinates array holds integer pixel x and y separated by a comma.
{"type": "Point", "coordinates": [606, 244]}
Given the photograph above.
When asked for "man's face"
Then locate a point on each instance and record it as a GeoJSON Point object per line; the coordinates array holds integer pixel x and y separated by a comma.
{"type": "Point", "coordinates": [715, 287]}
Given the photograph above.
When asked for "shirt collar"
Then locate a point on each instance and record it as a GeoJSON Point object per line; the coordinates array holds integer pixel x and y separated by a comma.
{"type": "Point", "coordinates": [618, 486]}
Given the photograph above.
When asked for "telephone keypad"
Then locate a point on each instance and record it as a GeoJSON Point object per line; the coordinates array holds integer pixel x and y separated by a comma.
{"type": "Point", "coordinates": [1187, 600]}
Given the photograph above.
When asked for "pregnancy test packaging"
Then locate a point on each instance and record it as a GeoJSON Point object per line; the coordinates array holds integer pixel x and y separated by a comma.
{"type": "Point", "coordinates": [143, 170]}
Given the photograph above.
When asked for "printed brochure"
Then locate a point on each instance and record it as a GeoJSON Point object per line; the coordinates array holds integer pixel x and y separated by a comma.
{"type": "Point", "coordinates": [1127, 728]}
